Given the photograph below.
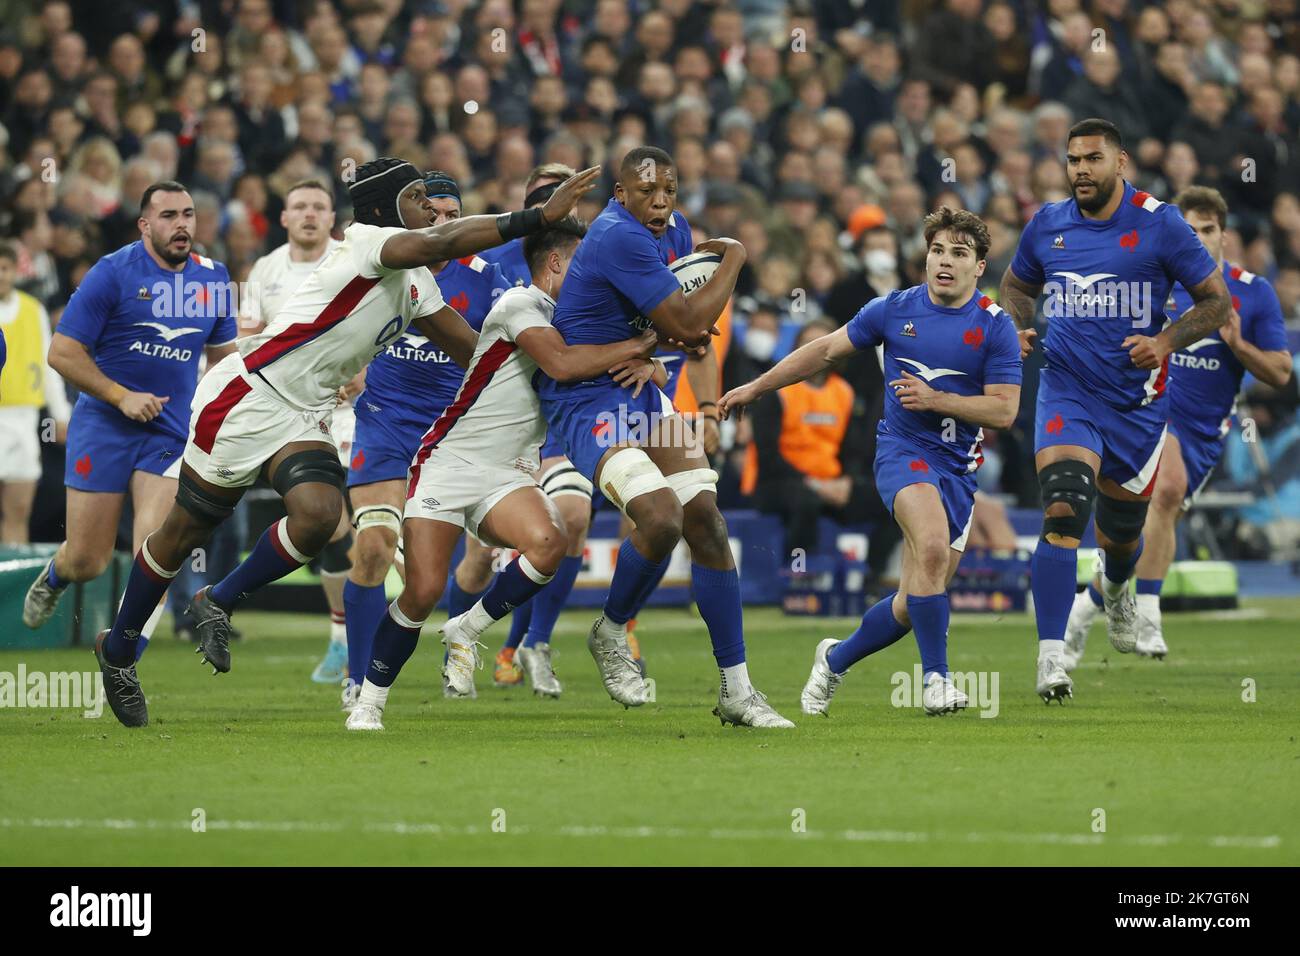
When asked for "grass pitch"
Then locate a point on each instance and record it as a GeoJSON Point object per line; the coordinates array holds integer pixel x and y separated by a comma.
{"type": "Point", "coordinates": [1167, 756]}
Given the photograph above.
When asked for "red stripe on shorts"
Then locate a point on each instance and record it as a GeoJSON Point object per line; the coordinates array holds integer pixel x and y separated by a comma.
{"type": "Point", "coordinates": [215, 412]}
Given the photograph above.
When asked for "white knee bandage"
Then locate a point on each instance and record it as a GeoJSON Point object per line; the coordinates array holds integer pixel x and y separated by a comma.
{"type": "Point", "coordinates": [628, 474]}
{"type": "Point", "coordinates": [563, 479]}
{"type": "Point", "coordinates": [687, 484]}
{"type": "Point", "coordinates": [378, 516]}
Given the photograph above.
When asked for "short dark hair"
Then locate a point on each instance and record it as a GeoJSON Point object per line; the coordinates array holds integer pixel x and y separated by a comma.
{"type": "Point", "coordinates": [162, 186]}
{"type": "Point", "coordinates": [566, 233]}
{"type": "Point", "coordinates": [309, 184]}
{"type": "Point", "coordinates": [1205, 200]}
{"type": "Point", "coordinates": [1095, 126]}
{"type": "Point", "coordinates": [7, 251]}
{"type": "Point", "coordinates": [961, 221]}
{"type": "Point", "coordinates": [636, 156]}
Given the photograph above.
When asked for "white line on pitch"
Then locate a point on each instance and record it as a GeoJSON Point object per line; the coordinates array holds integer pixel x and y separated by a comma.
{"type": "Point", "coordinates": [653, 832]}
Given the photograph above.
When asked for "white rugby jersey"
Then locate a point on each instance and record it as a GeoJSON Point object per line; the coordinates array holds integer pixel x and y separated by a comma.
{"type": "Point", "coordinates": [344, 314]}
{"type": "Point", "coordinates": [496, 418]}
{"type": "Point", "coordinates": [273, 279]}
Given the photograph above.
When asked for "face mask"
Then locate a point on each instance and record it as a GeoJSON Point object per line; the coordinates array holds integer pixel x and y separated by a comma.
{"type": "Point", "coordinates": [879, 261]}
{"type": "Point", "coordinates": [760, 344]}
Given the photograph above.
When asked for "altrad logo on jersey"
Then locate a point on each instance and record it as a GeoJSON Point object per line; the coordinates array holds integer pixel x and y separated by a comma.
{"type": "Point", "coordinates": [1075, 295]}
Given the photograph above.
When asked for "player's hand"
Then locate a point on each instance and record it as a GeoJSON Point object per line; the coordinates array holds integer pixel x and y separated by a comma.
{"type": "Point", "coordinates": [699, 350]}
{"type": "Point", "coordinates": [567, 195]}
{"type": "Point", "coordinates": [1026, 337]}
{"type": "Point", "coordinates": [738, 398]}
{"type": "Point", "coordinates": [141, 406]}
{"type": "Point", "coordinates": [722, 245]}
{"type": "Point", "coordinates": [633, 374]}
{"type": "Point", "coordinates": [1230, 331]}
{"type": "Point", "coordinates": [914, 394]}
{"type": "Point", "coordinates": [1146, 351]}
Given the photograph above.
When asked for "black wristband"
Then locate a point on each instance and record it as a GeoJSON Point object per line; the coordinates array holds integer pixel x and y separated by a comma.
{"type": "Point", "coordinates": [707, 404]}
{"type": "Point", "coordinates": [513, 225]}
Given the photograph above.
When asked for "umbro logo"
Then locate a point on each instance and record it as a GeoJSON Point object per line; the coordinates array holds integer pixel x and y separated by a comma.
{"type": "Point", "coordinates": [909, 329]}
{"type": "Point", "coordinates": [225, 473]}
{"type": "Point", "coordinates": [379, 665]}
{"type": "Point", "coordinates": [431, 502]}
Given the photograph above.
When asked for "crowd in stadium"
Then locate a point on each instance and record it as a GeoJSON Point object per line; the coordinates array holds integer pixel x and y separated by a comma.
{"type": "Point", "coordinates": [817, 132]}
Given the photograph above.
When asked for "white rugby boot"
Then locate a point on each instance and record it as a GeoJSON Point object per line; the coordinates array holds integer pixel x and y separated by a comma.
{"type": "Point", "coordinates": [941, 695]}
{"type": "Point", "coordinates": [537, 665]}
{"type": "Point", "coordinates": [41, 600]}
{"type": "Point", "coordinates": [1150, 636]}
{"type": "Point", "coordinates": [365, 717]}
{"type": "Point", "coordinates": [1082, 613]}
{"type": "Point", "coordinates": [462, 660]}
{"type": "Point", "coordinates": [822, 682]}
{"type": "Point", "coordinates": [618, 672]}
{"type": "Point", "coordinates": [1053, 682]}
{"type": "Point", "coordinates": [751, 711]}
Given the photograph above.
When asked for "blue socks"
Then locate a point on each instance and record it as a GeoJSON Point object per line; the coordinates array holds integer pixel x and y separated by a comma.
{"type": "Point", "coordinates": [1150, 585]}
{"type": "Point", "coordinates": [878, 630]}
{"type": "Point", "coordinates": [717, 594]}
{"type": "Point", "coordinates": [1052, 572]}
{"type": "Point", "coordinates": [929, 614]}
{"type": "Point", "coordinates": [1094, 595]}
{"type": "Point", "coordinates": [272, 558]}
{"type": "Point", "coordinates": [394, 643]}
{"type": "Point", "coordinates": [550, 600]}
{"type": "Point", "coordinates": [144, 589]}
{"type": "Point", "coordinates": [517, 582]}
{"type": "Point", "coordinates": [363, 609]}
{"type": "Point", "coordinates": [53, 580]}
{"type": "Point", "coordinates": [635, 577]}
{"type": "Point", "coordinates": [520, 620]}
{"type": "Point", "coordinates": [458, 599]}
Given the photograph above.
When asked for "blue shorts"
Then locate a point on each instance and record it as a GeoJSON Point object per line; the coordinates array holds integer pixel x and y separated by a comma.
{"type": "Point", "coordinates": [553, 447]}
{"type": "Point", "coordinates": [1128, 441]}
{"type": "Point", "coordinates": [1200, 454]}
{"type": "Point", "coordinates": [587, 422]}
{"type": "Point", "coordinates": [105, 447]}
{"type": "Point", "coordinates": [900, 463]}
{"type": "Point", "coordinates": [382, 449]}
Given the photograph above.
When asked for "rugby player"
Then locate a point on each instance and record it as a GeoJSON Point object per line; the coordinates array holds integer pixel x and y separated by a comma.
{"type": "Point", "coordinates": [408, 386]}
{"type": "Point", "coordinates": [953, 359]}
{"type": "Point", "coordinates": [130, 340]}
{"type": "Point", "coordinates": [1204, 379]}
{"type": "Point", "coordinates": [267, 410]}
{"type": "Point", "coordinates": [1107, 257]}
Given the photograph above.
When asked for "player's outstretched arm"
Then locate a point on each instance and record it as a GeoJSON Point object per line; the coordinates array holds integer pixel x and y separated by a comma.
{"type": "Point", "coordinates": [800, 364]}
{"type": "Point", "coordinates": [996, 408]}
{"type": "Point", "coordinates": [462, 237]}
{"type": "Point", "coordinates": [690, 320]}
{"type": "Point", "coordinates": [1211, 308]}
{"type": "Point", "coordinates": [450, 332]}
{"type": "Point", "coordinates": [1271, 366]}
{"type": "Point", "coordinates": [575, 363]}
{"type": "Point", "coordinates": [73, 361]}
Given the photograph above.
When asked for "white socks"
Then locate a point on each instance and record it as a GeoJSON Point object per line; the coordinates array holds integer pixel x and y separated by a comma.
{"type": "Point", "coordinates": [476, 619]}
{"type": "Point", "coordinates": [735, 682]}
{"type": "Point", "coordinates": [1149, 606]}
{"type": "Point", "coordinates": [1048, 650]}
{"type": "Point", "coordinates": [375, 696]}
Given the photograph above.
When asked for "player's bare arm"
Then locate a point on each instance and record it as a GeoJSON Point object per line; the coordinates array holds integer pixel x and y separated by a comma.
{"type": "Point", "coordinates": [1213, 304]}
{"type": "Point", "coordinates": [1019, 298]}
{"type": "Point", "coordinates": [73, 361]}
{"type": "Point", "coordinates": [996, 408]}
{"type": "Point", "coordinates": [215, 353]}
{"type": "Point", "coordinates": [690, 320]}
{"type": "Point", "coordinates": [1270, 367]}
{"type": "Point", "coordinates": [803, 363]}
{"type": "Point", "coordinates": [450, 332]}
{"type": "Point", "coordinates": [703, 374]}
{"type": "Point", "coordinates": [574, 363]}
{"type": "Point", "coordinates": [462, 237]}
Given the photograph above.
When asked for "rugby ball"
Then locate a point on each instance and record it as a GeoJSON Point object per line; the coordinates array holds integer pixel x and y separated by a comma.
{"type": "Point", "coordinates": [694, 270]}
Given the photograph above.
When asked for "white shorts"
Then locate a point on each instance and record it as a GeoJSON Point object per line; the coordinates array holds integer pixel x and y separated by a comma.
{"type": "Point", "coordinates": [446, 487]}
{"type": "Point", "coordinates": [239, 423]}
{"type": "Point", "coordinates": [344, 427]}
{"type": "Point", "coordinates": [20, 447]}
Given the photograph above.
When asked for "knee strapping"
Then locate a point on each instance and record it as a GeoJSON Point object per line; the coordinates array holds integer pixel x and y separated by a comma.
{"type": "Point", "coordinates": [334, 557]}
{"type": "Point", "coordinates": [688, 484]}
{"type": "Point", "coordinates": [378, 516]}
{"type": "Point", "coordinates": [563, 479]}
{"type": "Point", "coordinates": [201, 503]}
{"type": "Point", "coordinates": [1121, 521]}
{"type": "Point", "coordinates": [313, 465]}
{"type": "Point", "coordinates": [628, 474]}
{"type": "Point", "coordinates": [1071, 483]}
